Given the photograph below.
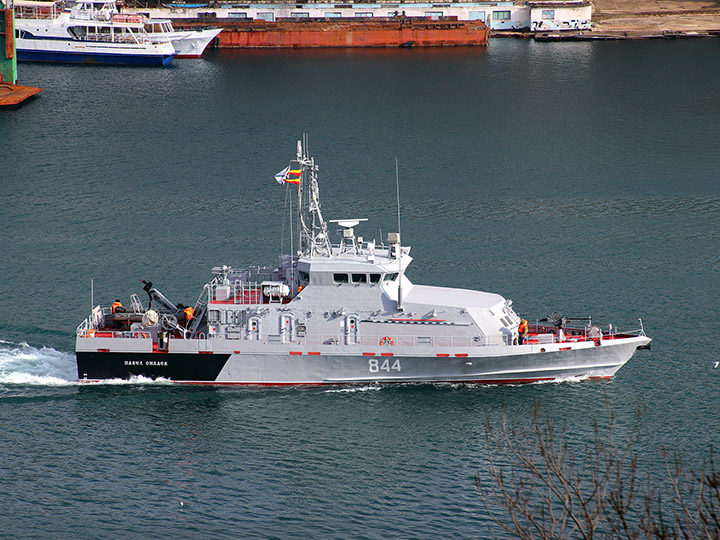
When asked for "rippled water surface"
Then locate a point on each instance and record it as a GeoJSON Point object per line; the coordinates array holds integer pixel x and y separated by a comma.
{"type": "Point", "coordinates": [580, 178]}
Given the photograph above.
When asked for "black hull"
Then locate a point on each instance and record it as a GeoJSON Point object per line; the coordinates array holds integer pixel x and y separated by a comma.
{"type": "Point", "coordinates": [173, 366]}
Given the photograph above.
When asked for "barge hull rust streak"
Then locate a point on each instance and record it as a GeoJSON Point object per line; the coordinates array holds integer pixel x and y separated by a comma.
{"type": "Point", "coordinates": [319, 34]}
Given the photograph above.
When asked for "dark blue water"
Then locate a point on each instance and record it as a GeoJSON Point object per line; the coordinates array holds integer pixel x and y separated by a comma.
{"type": "Point", "coordinates": [580, 178]}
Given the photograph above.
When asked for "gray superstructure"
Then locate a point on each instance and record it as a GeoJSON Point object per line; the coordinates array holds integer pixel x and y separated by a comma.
{"type": "Point", "coordinates": [337, 314]}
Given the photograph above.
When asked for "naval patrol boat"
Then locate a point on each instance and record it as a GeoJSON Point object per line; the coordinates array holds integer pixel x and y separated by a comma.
{"type": "Point", "coordinates": [339, 313]}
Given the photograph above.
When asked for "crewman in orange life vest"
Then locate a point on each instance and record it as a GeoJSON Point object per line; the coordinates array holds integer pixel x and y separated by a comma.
{"type": "Point", "coordinates": [189, 312]}
{"type": "Point", "coordinates": [117, 307]}
{"type": "Point", "coordinates": [522, 331]}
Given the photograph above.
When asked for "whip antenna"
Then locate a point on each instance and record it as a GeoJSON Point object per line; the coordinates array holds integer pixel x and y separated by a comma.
{"type": "Point", "coordinates": [397, 191]}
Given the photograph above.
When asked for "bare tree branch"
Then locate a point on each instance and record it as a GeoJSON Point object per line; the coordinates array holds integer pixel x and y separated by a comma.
{"type": "Point", "coordinates": [540, 487]}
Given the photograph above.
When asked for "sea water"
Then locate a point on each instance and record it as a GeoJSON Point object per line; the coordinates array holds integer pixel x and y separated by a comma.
{"type": "Point", "coordinates": [578, 178]}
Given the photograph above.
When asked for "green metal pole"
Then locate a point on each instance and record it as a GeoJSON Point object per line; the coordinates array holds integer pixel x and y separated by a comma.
{"type": "Point", "coordinates": [8, 59]}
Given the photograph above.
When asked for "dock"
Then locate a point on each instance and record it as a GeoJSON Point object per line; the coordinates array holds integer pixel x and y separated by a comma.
{"type": "Point", "coordinates": [629, 35]}
{"type": "Point", "coordinates": [14, 94]}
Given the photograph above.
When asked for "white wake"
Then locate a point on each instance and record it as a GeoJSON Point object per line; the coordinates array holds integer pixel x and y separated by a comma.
{"type": "Point", "coordinates": [21, 363]}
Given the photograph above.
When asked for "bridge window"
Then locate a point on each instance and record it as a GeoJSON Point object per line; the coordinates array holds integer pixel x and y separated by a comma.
{"type": "Point", "coordinates": [340, 278]}
{"type": "Point", "coordinates": [359, 278]}
{"type": "Point", "coordinates": [374, 278]}
{"type": "Point", "coordinates": [390, 277]}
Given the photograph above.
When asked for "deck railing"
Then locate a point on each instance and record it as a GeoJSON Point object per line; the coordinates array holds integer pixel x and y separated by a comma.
{"type": "Point", "coordinates": [242, 293]}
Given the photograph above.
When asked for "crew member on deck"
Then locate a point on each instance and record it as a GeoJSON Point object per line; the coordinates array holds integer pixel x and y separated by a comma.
{"type": "Point", "coordinates": [117, 307]}
{"type": "Point", "coordinates": [522, 331]}
{"type": "Point", "coordinates": [188, 315]}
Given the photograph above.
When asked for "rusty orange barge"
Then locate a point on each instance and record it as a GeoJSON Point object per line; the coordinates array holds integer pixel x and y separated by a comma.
{"type": "Point", "coordinates": [385, 32]}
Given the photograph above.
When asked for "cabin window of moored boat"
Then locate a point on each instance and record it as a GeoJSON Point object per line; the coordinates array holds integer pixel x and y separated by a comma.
{"type": "Point", "coordinates": [213, 316]}
{"type": "Point", "coordinates": [268, 16]}
{"type": "Point", "coordinates": [237, 15]}
{"type": "Point", "coordinates": [332, 14]}
{"type": "Point", "coordinates": [359, 278]}
{"type": "Point", "coordinates": [434, 15]}
{"type": "Point", "coordinates": [501, 15]}
{"type": "Point", "coordinates": [375, 278]}
{"type": "Point", "coordinates": [363, 14]}
{"type": "Point", "coordinates": [304, 277]}
{"type": "Point", "coordinates": [548, 14]}
{"type": "Point", "coordinates": [476, 16]}
{"type": "Point", "coordinates": [390, 277]}
{"type": "Point", "coordinates": [78, 32]}
{"type": "Point", "coordinates": [300, 14]}
{"type": "Point", "coordinates": [340, 278]}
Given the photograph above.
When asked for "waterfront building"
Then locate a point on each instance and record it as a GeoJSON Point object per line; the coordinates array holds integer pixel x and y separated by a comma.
{"type": "Point", "coordinates": [508, 16]}
{"type": "Point", "coordinates": [565, 15]}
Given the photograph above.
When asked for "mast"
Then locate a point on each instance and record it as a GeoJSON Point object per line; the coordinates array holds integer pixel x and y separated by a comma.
{"type": "Point", "coordinates": [301, 218]}
{"type": "Point", "coordinates": [399, 247]}
{"type": "Point", "coordinates": [314, 239]}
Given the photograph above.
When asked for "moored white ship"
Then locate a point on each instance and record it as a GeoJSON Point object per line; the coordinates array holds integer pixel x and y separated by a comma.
{"type": "Point", "coordinates": [190, 43]}
{"type": "Point", "coordinates": [338, 314]}
{"type": "Point", "coordinates": [88, 32]}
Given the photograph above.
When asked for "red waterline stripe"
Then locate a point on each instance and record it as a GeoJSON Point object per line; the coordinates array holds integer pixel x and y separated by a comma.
{"type": "Point", "coordinates": [103, 350]}
{"type": "Point", "coordinates": [478, 381]}
{"type": "Point", "coordinates": [313, 353]}
{"type": "Point", "coordinates": [368, 354]}
{"type": "Point", "coordinates": [387, 354]}
{"type": "Point", "coordinates": [443, 355]}
{"type": "Point", "coordinates": [295, 352]}
{"type": "Point", "coordinates": [461, 355]}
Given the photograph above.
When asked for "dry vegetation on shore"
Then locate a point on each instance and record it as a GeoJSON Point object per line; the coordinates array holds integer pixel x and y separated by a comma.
{"type": "Point", "coordinates": [655, 16]}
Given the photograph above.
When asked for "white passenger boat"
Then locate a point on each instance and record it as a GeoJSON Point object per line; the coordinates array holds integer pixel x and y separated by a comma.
{"type": "Point", "coordinates": [338, 313]}
{"type": "Point", "coordinates": [187, 43]}
{"type": "Point", "coordinates": [50, 32]}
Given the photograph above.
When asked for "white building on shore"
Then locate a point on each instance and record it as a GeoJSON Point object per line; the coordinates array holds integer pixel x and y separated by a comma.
{"type": "Point", "coordinates": [510, 16]}
{"type": "Point", "coordinates": [561, 15]}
